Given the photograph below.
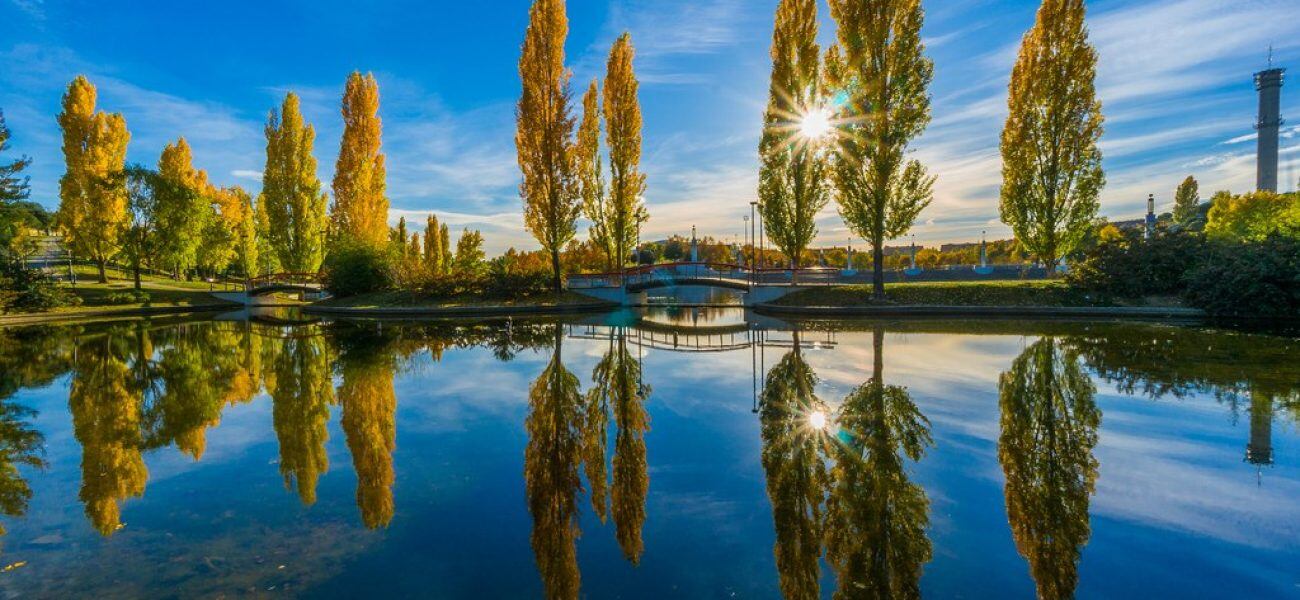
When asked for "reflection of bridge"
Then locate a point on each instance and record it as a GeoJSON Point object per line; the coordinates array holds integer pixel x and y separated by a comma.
{"type": "Point", "coordinates": [724, 338]}
{"type": "Point", "coordinates": [758, 285]}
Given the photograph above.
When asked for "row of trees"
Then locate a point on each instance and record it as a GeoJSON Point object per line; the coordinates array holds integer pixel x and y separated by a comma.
{"type": "Point", "coordinates": [839, 124]}
{"type": "Point", "coordinates": [562, 171]}
{"type": "Point", "coordinates": [172, 219]}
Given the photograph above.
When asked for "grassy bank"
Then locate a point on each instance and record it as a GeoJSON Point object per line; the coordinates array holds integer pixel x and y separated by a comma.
{"type": "Point", "coordinates": [415, 300]}
{"type": "Point", "coordinates": [964, 293]}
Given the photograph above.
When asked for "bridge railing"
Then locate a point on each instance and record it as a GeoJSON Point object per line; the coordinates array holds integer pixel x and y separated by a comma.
{"type": "Point", "coordinates": [669, 273]}
{"type": "Point", "coordinates": [282, 279]}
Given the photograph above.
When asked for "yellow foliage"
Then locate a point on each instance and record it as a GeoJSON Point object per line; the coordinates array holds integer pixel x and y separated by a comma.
{"type": "Point", "coordinates": [360, 204]}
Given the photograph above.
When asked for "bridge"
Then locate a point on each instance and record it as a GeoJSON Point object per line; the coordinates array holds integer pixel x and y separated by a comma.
{"type": "Point", "coordinates": [630, 287]}
{"type": "Point", "coordinates": [259, 290]}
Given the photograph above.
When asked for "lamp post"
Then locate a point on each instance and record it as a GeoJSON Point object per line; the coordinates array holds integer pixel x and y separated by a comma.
{"type": "Point", "coordinates": [753, 250]}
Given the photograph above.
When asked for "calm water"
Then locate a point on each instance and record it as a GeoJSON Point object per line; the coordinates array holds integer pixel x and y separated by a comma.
{"type": "Point", "coordinates": [683, 453]}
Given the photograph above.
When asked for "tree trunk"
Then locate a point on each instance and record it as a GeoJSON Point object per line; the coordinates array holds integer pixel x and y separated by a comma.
{"type": "Point", "coordinates": [136, 268]}
{"type": "Point", "coordinates": [103, 269]}
{"type": "Point", "coordinates": [878, 271]}
{"type": "Point", "coordinates": [557, 280]}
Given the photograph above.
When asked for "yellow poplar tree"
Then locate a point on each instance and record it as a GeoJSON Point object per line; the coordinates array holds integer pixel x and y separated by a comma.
{"type": "Point", "coordinates": [623, 136]}
{"type": "Point", "coordinates": [247, 244]}
{"type": "Point", "coordinates": [360, 206]}
{"type": "Point", "coordinates": [183, 209]}
{"type": "Point", "coordinates": [881, 71]}
{"type": "Point", "coordinates": [295, 204]}
{"type": "Point", "coordinates": [792, 185]}
{"type": "Point", "coordinates": [591, 179]}
{"type": "Point", "coordinates": [550, 190]}
{"type": "Point", "coordinates": [1051, 163]}
{"type": "Point", "coordinates": [93, 200]}
{"type": "Point", "coordinates": [433, 257]}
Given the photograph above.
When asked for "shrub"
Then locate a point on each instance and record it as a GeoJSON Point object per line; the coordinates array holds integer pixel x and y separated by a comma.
{"type": "Point", "coordinates": [1248, 280]}
{"type": "Point", "coordinates": [353, 268]}
{"type": "Point", "coordinates": [131, 297]}
{"type": "Point", "coordinates": [25, 290]}
{"type": "Point", "coordinates": [1124, 265]}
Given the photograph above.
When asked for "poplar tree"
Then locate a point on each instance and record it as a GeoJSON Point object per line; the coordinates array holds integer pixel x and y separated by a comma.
{"type": "Point", "coordinates": [92, 194]}
{"type": "Point", "coordinates": [360, 205]}
{"type": "Point", "coordinates": [433, 258]}
{"type": "Point", "coordinates": [550, 190]}
{"type": "Point", "coordinates": [247, 245]}
{"type": "Point", "coordinates": [182, 210]}
{"type": "Point", "coordinates": [295, 204]}
{"type": "Point", "coordinates": [879, 66]}
{"type": "Point", "coordinates": [413, 251]}
{"type": "Point", "coordinates": [268, 258]}
{"type": "Point", "coordinates": [1187, 200]}
{"type": "Point", "coordinates": [469, 252]}
{"type": "Point", "coordinates": [399, 234]}
{"type": "Point", "coordinates": [590, 173]}
{"type": "Point", "coordinates": [792, 185]}
{"type": "Point", "coordinates": [444, 247]}
{"type": "Point", "coordinates": [222, 237]}
{"type": "Point", "coordinates": [1051, 164]}
{"type": "Point", "coordinates": [623, 136]}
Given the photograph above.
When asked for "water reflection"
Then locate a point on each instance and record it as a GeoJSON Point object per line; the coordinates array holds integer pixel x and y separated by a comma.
{"type": "Point", "coordinates": [301, 390]}
{"type": "Point", "coordinates": [840, 458]}
{"type": "Point", "coordinates": [876, 537]}
{"type": "Point", "coordinates": [1049, 429]}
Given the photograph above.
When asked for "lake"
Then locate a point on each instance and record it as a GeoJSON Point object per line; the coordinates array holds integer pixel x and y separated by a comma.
{"type": "Point", "coordinates": [692, 453]}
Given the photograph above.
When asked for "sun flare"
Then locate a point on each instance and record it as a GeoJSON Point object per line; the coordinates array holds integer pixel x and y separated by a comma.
{"type": "Point", "coordinates": [817, 420]}
{"type": "Point", "coordinates": [815, 124]}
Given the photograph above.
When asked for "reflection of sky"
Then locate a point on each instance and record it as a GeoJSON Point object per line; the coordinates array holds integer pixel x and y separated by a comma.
{"type": "Point", "coordinates": [1173, 494]}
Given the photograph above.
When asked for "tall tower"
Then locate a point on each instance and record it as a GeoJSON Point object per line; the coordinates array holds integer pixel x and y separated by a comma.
{"type": "Point", "coordinates": [1269, 84]}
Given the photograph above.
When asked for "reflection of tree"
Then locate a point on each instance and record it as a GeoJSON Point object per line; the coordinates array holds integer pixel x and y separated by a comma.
{"type": "Point", "coordinates": [20, 445]}
{"type": "Point", "coordinates": [303, 392]}
{"type": "Point", "coordinates": [876, 518]}
{"type": "Point", "coordinates": [796, 472]}
{"type": "Point", "coordinates": [367, 367]}
{"type": "Point", "coordinates": [551, 478]}
{"type": "Point", "coordinates": [29, 357]}
{"type": "Point", "coordinates": [1049, 429]}
{"type": "Point", "coordinates": [617, 382]}
{"type": "Point", "coordinates": [106, 421]}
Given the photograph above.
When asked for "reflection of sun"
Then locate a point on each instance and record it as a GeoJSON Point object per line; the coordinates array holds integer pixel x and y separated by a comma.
{"type": "Point", "coordinates": [817, 420]}
{"type": "Point", "coordinates": [815, 124]}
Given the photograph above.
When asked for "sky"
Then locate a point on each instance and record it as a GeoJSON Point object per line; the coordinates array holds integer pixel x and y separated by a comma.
{"type": "Point", "coordinates": [1174, 79]}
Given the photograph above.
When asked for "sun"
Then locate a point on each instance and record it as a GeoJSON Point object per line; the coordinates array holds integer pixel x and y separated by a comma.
{"type": "Point", "coordinates": [817, 420]}
{"type": "Point", "coordinates": [815, 124]}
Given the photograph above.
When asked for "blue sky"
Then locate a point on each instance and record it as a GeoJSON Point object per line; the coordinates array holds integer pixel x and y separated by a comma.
{"type": "Point", "coordinates": [1175, 80]}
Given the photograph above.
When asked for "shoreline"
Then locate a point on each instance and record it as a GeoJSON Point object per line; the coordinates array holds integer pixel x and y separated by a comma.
{"type": "Point", "coordinates": [925, 310]}
{"type": "Point", "coordinates": [110, 313]}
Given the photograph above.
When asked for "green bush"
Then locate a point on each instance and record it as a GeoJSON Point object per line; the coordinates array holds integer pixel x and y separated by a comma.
{"type": "Point", "coordinates": [30, 290]}
{"type": "Point", "coordinates": [1124, 265]}
{"type": "Point", "coordinates": [1248, 280]}
{"type": "Point", "coordinates": [353, 268]}
{"type": "Point", "coordinates": [131, 297]}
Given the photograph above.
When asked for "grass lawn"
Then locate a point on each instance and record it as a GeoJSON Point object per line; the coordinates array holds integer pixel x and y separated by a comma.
{"type": "Point", "coordinates": [958, 293]}
{"type": "Point", "coordinates": [414, 300]}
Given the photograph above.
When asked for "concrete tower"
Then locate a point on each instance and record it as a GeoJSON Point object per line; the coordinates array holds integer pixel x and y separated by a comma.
{"type": "Point", "coordinates": [1269, 84]}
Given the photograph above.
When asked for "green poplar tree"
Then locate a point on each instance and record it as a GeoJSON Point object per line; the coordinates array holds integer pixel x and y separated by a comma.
{"type": "Point", "coordinates": [1051, 163]}
{"type": "Point", "coordinates": [792, 185]}
{"type": "Point", "coordinates": [295, 204]}
{"type": "Point", "coordinates": [881, 72]}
